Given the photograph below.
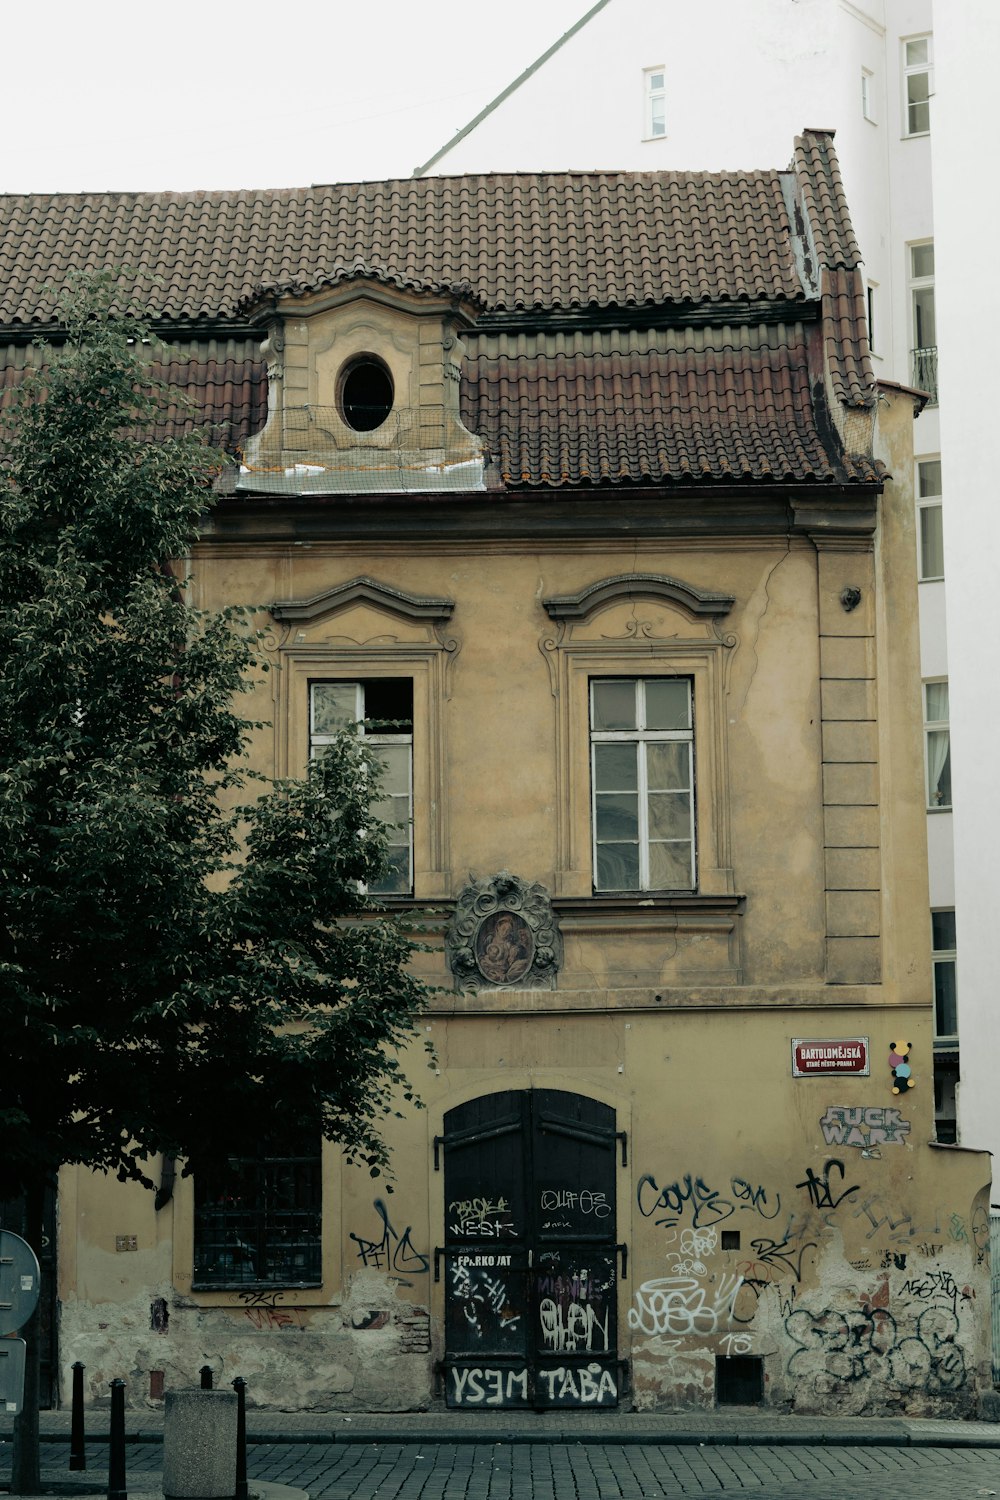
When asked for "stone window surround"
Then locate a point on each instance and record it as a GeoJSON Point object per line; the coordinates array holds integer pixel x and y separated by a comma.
{"type": "Point", "coordinates": [703, 658]}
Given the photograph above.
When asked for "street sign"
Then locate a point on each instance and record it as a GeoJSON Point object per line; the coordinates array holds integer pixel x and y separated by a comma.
{"type": "Point", "coordinates": [11, 1375]}
{"type": "Point", "coordinates": [18, 1282]}
{"type": "Point", "coordinates": [817, 1057]}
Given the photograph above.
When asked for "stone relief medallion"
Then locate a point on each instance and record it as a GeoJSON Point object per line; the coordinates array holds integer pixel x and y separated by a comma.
{"type": "Point", "coordinates": [503, 935]}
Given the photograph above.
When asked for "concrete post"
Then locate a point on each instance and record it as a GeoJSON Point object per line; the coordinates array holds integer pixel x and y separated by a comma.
{"type": "Point", "coordinates": [199, 1445]}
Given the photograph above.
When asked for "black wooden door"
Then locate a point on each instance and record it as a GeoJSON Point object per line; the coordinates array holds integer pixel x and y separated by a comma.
{"type": "Point", "coordinates": [530, 1252]}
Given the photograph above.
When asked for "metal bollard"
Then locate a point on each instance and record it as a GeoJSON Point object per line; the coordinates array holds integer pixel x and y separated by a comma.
{"type": "Point", "coordinates": [240, 1387]}
{"type": "Point", "coordinates": [206, 1377]}
{"type": "Point", "coordinates": [116, 1454]}
{"type": "Point", "coordinates": [77, 1437]}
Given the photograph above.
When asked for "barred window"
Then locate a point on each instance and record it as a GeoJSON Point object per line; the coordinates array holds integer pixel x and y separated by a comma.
{"type": "Point", "coordinates": [258, 1222]}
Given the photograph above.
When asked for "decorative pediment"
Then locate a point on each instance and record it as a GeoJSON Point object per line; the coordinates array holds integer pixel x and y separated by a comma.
{"type": "Point", "coordinates": [369, 591]}
{"type": "Point", "coordinates": [623, 588]}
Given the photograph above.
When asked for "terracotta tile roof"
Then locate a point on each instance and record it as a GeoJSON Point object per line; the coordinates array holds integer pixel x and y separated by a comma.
{"type": "Point", "coordinates": [818, 176]}
{"type": "Point", "coordinates": [560, 240]}
{"type": "Point", "coordinates": [660, 416]}
{"type": "Point", "coordinates": [685, 399]}
{"type": "Point", "coordinates": [845, 338]}
{"type": "Point", "coordinates": [221, 388]}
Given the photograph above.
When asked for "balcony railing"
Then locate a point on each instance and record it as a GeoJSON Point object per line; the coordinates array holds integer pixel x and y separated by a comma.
{"type": "Point", "coordinates": [925, 374]}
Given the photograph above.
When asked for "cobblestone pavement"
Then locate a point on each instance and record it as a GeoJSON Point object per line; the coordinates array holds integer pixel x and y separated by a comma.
{"type": "Point", "coordinates": [557, 1471]}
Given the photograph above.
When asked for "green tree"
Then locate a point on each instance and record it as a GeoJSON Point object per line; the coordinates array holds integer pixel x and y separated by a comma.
{"type": "Point", "coordinates": [179, 959]}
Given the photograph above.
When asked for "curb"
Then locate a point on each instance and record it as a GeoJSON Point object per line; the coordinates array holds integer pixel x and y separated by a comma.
{"type": "Point", "coordinates": [896, 1437]}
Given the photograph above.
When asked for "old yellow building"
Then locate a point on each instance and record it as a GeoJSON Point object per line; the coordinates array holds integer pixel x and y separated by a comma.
{"type": "Point", "coordinates": [581, 488]}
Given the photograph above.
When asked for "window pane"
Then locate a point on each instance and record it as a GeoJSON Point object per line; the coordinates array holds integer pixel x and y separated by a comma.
{"type": "Point", "coordinates": [668, 765]}
{"type": "Point", "coordinates": [617, 816]}
{"type": "Point", "coordinates": [396, 812]}
{"type": "Point", "coordinates": [931, 542]}
{"type": "Point", "coordinates": [924, 321]}
{"type": "Point", "coordinates": [922, 261]}
{"type": "Point", "coordinates": [396, 761]}
{"type": "Point", "coordinates": [655, 81]}
{"type": "Point", "coordinates": [945, 998]}
{"type": "Point", "coordinates": [670, 815]}
{"type": "Point", "coordinates": [617, 867]}
{"type": "Point", "coordinates": [668, 704]}
{"type": "Point", "coordinates": [670, 867]}
{"type": "Point", "coordinates": [929, 472]}
{"type": "Point", "coordinates": [937, 702]}
{"type": "Point", "coordinates": [614, 705]}
{"type": "Point", "coordinates": [939, 768]}
{"type": "Point", "coordinates": [397, 880]}
{"type": "Point", "coordinates": [334, 704]}
{"type": "Point", "coordinates": [658, 117]}
{"type": "Point", "coordinates": [916, 51]}
{"type": "Point", "coordinates": [943, 931]}
{"type": "Point", "coordinates": [615, 767]}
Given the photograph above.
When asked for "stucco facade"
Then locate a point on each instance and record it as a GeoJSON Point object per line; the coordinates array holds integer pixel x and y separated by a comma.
{"type": "Point", "coordinates": [802, 1222]}
{"type": "Point", "coordinates": [601, 502]}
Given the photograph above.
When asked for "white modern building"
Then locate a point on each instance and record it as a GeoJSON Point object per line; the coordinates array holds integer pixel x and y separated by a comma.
{"type": "Point", "coordinates": [656, 85]}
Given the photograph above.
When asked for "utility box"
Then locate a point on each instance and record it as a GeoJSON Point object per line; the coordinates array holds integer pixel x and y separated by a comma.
{"type": "Point", "coordinates": [11, 1375]}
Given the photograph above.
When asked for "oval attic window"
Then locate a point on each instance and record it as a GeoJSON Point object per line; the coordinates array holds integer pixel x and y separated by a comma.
{"type": "Point", "coordinates": [366, 393]}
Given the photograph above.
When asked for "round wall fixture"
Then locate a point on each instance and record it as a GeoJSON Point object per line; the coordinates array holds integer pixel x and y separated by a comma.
{"type": "Point", "coordinates": [365, 393]}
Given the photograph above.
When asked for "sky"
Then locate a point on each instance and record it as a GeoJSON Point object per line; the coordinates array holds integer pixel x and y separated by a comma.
{"type": "Point", "coordinates": [101, 95]}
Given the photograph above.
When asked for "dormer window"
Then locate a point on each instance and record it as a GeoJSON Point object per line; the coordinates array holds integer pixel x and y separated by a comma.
{"type": "Point", "coordinates": [366, 393]}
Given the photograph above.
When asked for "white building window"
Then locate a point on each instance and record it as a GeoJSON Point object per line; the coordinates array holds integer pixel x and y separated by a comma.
{"type": "Point", "coordinates": [945, 991]}
{"type": "Point", "coordinates": [923, 322]}
{"type": "Point", "coordinates": [868, 94]}
{"type": "Point", "coordinates": [917, 85]}
{"type": "Point", "coordinates": [383, 707]}
{"type": "Point", "coordinates": [929, 519]}
{"type": "Point", "coordinates": [642, 776]}
{"type": "Point", "coordinates": [937, 740]}
{"type": "Point", "coordinates": [654, 84]}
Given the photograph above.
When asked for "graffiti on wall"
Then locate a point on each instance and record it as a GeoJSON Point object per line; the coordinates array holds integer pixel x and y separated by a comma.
{"type": "Point", "coordinates": [391, 1251]}
{"type": "Point", "coordinates": [261, 1309]}
{"type": "Point", "coordinates": [863, 1127]}
{"type": "Point", "coordinates": [484, 1294]}
{"type": "Point", "coordinates": [691, 1196]}
{"type": "Point", "coordinates": [841, 1347]}
{"type": "Point", "coordinates": [685, 1305]}
{"type": "Point", "coordinates": [574, 1307]}
{"type": "Point", "coordinates": [481, 1218]}
{"type": "Point", "coordinates": [826, 1188]}
{"type": "Point", "coordinates": [577, 1385]}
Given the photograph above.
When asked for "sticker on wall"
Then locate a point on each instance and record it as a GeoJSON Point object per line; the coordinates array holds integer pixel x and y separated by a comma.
{"type": "Point", "coordinates": [899, 1062]}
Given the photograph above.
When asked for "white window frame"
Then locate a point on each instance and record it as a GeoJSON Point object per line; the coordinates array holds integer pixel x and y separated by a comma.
{"type": "Point", "coordinates": [871, 309]}
{"type": "Point", "coordinates": [642, 737]}
{"type": "Point", "coordinates": [941, 958]}
{"type": "Point", "coordinates": [929, 503]}
{"type": "Point", "coordinates": [923, 356]}
{"type": "Point", "coordinates": [914, 70]}
{"type": "Point", "coordinates": [400, 834]}
{"type": "Point", "coordinates": [868, 95]}
{"type": "Point", "coordinates": [654, 104]}
{"type": "Point", "coordinates": [932, 756]}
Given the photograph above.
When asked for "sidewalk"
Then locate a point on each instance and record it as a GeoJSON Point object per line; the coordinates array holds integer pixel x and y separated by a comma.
{"type": "Point", "coordinates": [726, 1427]}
